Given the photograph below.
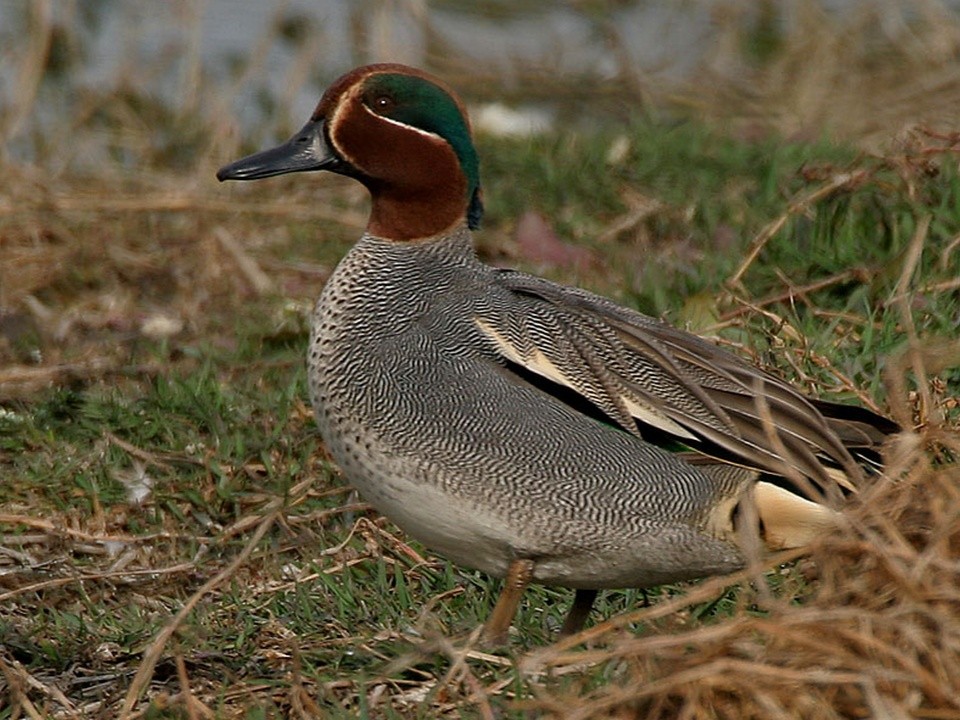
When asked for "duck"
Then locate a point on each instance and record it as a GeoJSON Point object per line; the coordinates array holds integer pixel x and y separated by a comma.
{"type": "Point", "coordinates": [533, 431]}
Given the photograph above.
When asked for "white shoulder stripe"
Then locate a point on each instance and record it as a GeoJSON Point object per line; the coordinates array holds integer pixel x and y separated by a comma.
{"type": "Point", "coordinates": [537, 362]}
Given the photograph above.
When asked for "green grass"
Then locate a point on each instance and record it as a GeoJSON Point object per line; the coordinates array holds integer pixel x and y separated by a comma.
{"type": "Point", "coordinates": [216, 421]}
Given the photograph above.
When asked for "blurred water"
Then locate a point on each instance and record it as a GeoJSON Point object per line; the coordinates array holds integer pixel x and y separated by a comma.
{"type": "Point", "coordinates": [145, 41]}
{"type": "Point", "coordinates": [171, 49]}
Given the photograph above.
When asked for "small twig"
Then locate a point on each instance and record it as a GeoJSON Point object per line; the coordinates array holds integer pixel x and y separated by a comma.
{"type": "Point", "coordinates": [315, 517]}
{"type": "Point", "coordinates": [300, 699]}
{"type": "Point", "coordinates": [461, 671]}
{"type": "Point", "coordinates": [51, 690]}
{"type": "Point", "coordinates": [63, 531]}
{"type": "Point", "coordinates": [321, 272]}
{"type": "Point", "coordinates": [153, 652]}
{"type": "Point", "coordinates": [789, 293]}
{"type": "Point", "coordinates": [400, 546]}
{"type": "Point", "coordinates": [98, 205]}
{"type": "Point", "coordinates": [846, 382]}
{"type": "Point", "coordinates": [46, 584]}
{"type": "Point", "coordinates": [147, 457]}
{"type": "Point", "coordinates": [18, 695]}
{"type": "Point", "coordinates": [841, 180]}
{"type": "Point", "coordinates": [191, 704]}
{"type": "Point", "coordinates": [293, 496]}
{"type": "Point", "coordinates": [942, 286]}
{"type": "Point", "coordinates": [902, 299]}
{"type": "Point", "coordinates": [91, 369]}
{"type": "Point", "coordinates": [644, 208]}
{"type": "Point", "coordinates": [32, 70]}
{"type": "Point", "coordinates": [257, 278]}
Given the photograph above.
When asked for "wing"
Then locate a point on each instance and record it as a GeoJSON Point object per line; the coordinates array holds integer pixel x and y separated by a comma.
{"type": "Point", "coordinates": [658, 382]}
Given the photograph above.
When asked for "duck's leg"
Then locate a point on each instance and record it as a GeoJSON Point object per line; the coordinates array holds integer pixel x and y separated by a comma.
{"type": "Point", "coordinates": [516, 581]}
{"type": "Point", "coordinates": [579, 612]}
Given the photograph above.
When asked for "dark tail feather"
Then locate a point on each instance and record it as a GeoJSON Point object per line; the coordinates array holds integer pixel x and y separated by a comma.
{"type": "Point", "coordinates": [861, 431]}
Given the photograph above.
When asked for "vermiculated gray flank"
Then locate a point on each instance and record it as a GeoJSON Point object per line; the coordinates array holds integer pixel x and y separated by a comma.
{"type": "Point", "coordinates": [417, 406]}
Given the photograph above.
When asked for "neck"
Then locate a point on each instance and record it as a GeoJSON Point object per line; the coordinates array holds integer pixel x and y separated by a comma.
{"type": "Point", "coordinates": [407, 216]}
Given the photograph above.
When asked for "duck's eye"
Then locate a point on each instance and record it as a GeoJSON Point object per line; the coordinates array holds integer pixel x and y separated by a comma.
{"type": "Point", "coordinates": [382, 103]}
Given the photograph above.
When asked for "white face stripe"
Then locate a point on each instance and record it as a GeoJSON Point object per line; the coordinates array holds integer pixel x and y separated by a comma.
{"type": "Point", "coordinates": [332, 125]}
{"type": "Point", "coordinates": [426, 133]}
{"type": "Point", "coordinates": [352, 95]}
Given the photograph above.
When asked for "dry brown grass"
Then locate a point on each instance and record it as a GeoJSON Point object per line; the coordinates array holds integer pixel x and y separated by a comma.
{"type": "Point", "coordinates": [862, 73]}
